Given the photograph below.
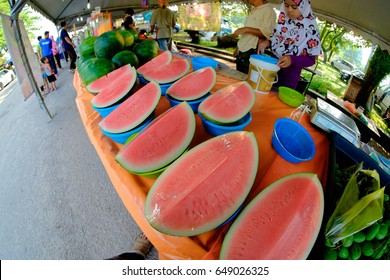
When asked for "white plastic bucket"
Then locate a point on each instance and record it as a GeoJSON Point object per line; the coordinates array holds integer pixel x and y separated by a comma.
{"type": "Point", "coordinates": [262, 73]}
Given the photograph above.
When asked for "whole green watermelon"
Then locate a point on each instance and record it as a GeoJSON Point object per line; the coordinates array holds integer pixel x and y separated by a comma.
{"type": "Point", "coordinates": [128, 38]}
{"type": "Point", "coordinates": [125, 57]}
{"type": "Point", "coordinates": [134, 33]}
{"type": "Point", "coordinates": [109, 44]}
{"type": "Point", "coordinates": [95, 68]}
{"type": "Point", "coordinates": [87, 47]}
{"type": "Point", "coordinates": [146, 50]}
{"type": "Point", "coordinates": [81, 65]}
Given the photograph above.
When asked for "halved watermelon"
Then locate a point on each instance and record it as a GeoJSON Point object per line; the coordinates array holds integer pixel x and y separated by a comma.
{"type": "Point", "coordinates": [228, 104]}
{"type": "Point", "coordinates": [106, 80]}
{"type": "Point", "coordinates": [194, 85]}
{"type": "Point", "coordinates": [134, 110]}
{"type": "Point", "coordinates": [205, 186]}
{"type": "Point", "coordinates": [115, 91]}
{"type": "Point", "coordinates": [168, 73]}
{"type": "Point", "coordinates": [161, 59]}
{"type": "Point", "coordinates": [280, 223]}
{"type": "Point", "coordinates": [161, 142]}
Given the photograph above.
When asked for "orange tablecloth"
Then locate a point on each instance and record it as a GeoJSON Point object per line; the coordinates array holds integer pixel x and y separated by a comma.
{"type": "Point", "coordinates": [133, 189]}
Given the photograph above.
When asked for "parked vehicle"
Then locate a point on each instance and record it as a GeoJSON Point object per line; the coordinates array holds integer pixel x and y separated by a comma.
{"type": "Point", "coordinates": [341, 64]}
{"type": "Point", "coordinates": [6, 76]}
{"type": "Point", "coordinates": [382, 95]}
{"type": "Point", "coordinates": [345, 75]}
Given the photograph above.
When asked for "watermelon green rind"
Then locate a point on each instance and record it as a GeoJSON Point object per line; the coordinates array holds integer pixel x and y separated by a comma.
{"type": "Point", "coordinates": [282, 222]}
{"type": "Point", "coordinates": [161, 59]}
{"type": "Point", "coordinates": [161, 142]}
{"type": "Point", "coordinates": [125, 57]}
{"type": "Point", "coordinates": [108, 44]}
{"type": "Point", "coordinates": [104, 81]}
{"type": "Point", "coordinates": [134, 110]}
{"type": "Point", "coordinates": [205, 186]}
{"type": "Point", "coordinates": [168, 73]}
{"type": "Point", "coordinates": [228, 104]}
{"type": "Point", "coordinates": [86, 48]}
{"type": "Point", "coordinates": [95, 68]}
{"type": "Point", "coordinates": [193, 85]}
{"type": "Point", "coordinates": [115, 91]}
{"type": "Point", "coordinates": [146, 50]}
{"type": "Point", "coordinates": [128, 38]}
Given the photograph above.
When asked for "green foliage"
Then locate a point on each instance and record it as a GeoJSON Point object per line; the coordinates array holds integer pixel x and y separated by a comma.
{"type": "Point", "coordinates": [27, 15]}
{"type": "Point", "coordinates": [235, 12]}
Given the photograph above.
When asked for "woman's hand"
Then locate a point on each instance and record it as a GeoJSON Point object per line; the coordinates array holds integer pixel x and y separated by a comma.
{"type": "Point", "coordinates": [239, 31]}
{"type": "Point", "coordinates": [261, 46]}
{"type": "Point", "coordinates": [284, 61]}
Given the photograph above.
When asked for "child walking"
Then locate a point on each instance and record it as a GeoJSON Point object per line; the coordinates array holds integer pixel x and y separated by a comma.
{"type": "Point", "coordinates": [49, 73]}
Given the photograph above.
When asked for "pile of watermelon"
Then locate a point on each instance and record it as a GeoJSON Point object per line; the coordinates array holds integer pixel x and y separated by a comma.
{"type": "Point", "coordinates": [112, 50]}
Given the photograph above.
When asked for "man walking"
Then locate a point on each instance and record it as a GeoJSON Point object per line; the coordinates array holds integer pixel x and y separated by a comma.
{"type": "Point", "coordinates": [163, 21]}
{"type": "Point", "coordinates": [68, 46]}
{"type": "Point", "coordinates": [46, 47]}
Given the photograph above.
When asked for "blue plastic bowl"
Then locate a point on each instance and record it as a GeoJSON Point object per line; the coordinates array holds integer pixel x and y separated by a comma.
{"type": "Point", "coordinates": [122, 137]}
{"type": "Point", "coordinates": [163, 87]}
{"type": "Point", "coordinates": [292, 141]}
{"type": "Point", "coordinates": [106, 110]}
{"type": "Point", "coordinates": [200, 62]}
{"type": "Point", "coordinates": [219, 129]}
{"type": "Point", "coordinates": [194, 104]}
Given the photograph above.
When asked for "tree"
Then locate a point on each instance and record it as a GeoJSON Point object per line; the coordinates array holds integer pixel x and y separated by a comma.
{"type": "Point", "coordinates": [378, 68]}
{"type": "Point", "coordinates": [331, 37]}
{"type": "Point", "coordinates": [27, 15]}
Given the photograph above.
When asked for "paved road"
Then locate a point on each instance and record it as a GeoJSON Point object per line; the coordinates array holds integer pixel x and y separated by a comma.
{"type": "Point", "coordinates": [56, 200]}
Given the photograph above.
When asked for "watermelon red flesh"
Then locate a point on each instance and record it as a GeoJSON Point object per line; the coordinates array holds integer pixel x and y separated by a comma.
{"type": "Point", "coordinates": [194, 85]}
{"type": "Point", "coordinates": [115, 91]}
{"type": "Point", "coordinates": [205, 186]}
{"type": "Point", "coordinates": [106, 80]}
{"type": "Point", "coordinates": [161, 59]}
{"type": "Point", "coordinates": [281, 223]}
{"type": "Point", "coordinates": [168, 73]}
{"type": "Point", "coordinates": [133, 111]}
{"type": "Point", "coordinates": [161, 142]}
{"type": "Point", "coordinates": [228, 104]}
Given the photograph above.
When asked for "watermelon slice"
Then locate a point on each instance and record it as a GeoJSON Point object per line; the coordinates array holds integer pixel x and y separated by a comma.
{"type": "Point", "coordinates": [228, 104]}
{"type": "Point", "coordinates": [115, 91]}
{"type": "Point", "coordinates": [205, 186]}
{"type": "Point", "coordinates": [161, 142]}
{"type": "Point", "coordinates": [161, 59]}
{"type": "Point", "coordinates": [194, 85]}
{"type": "Point", "coordinates": [168, 73]}
{"type": "Point", "coordinates": [134, 110]}
{"type": "Point", "coordinates": [98, 85]}
{"type": "Point", "coordinates": [280, 223]}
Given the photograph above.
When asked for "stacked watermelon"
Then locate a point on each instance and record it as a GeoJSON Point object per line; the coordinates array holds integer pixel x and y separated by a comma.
{"type": "Point", "coordinates": [112, 50]}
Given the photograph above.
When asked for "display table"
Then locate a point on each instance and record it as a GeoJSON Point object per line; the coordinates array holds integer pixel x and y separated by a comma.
{"type": "Point", "coordinates": [132, 189]}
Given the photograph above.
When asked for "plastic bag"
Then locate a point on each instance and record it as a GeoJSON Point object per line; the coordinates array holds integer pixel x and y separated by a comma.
{"type": "Point", "coordinates": [360, 206]}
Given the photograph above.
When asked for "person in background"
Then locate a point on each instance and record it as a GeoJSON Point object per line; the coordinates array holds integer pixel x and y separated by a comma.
{"type": "Point", "coordinates": [47, 45]}
{"type": "Point", "coordinates": [128, 21]}
{"type": "Point", "coordinates": [295, 41]}
{"type": "Point", "coordinates": [39, 49]}
{"type": "Point", "coordinates": [49, 73]}
{"type": "Point", "coordinates": [56, 52]}
{"type": "Point", "coordinates": [139, 251]}
{"type": "Point", "coordinates": [258, 26]}
{"type": "Point", "coordinates": [142, 34]}
{"type": "Point", "coordinates": [68, 46]}
{"type": "Point", "coordinates": [164, 20]}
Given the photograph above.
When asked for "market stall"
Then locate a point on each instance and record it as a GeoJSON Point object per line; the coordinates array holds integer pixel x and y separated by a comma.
{"type": "Point", "coordinates": [133, 189]}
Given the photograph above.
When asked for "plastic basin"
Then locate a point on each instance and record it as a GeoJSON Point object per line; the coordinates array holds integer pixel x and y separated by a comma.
{"type": "Point", "coordinates": [194, 104]}
{"type": "Point", "coordinates": [200, 62]}
{"type": "Point", "coordinates": [106, 110]}
{"type": "Point", "coordinates": [219, 129]}
{"type": "Point", "coordinates": [291, 97]}
{"type": "Point", "coordinates": [122, 137]}
{"type": "Point", "coordinates": [292, 141]}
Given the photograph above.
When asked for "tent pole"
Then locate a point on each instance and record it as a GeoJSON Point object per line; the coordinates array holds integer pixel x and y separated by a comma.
{"type": "Point", "coordinates": [16, 26]}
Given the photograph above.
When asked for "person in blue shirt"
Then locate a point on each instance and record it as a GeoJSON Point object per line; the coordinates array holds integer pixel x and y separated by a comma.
{"type": "Point", "coordinates": [46, 46]}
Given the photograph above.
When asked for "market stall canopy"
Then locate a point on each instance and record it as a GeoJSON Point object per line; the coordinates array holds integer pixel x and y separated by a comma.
{"type": "Point", "coordinates": [368, 18]}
